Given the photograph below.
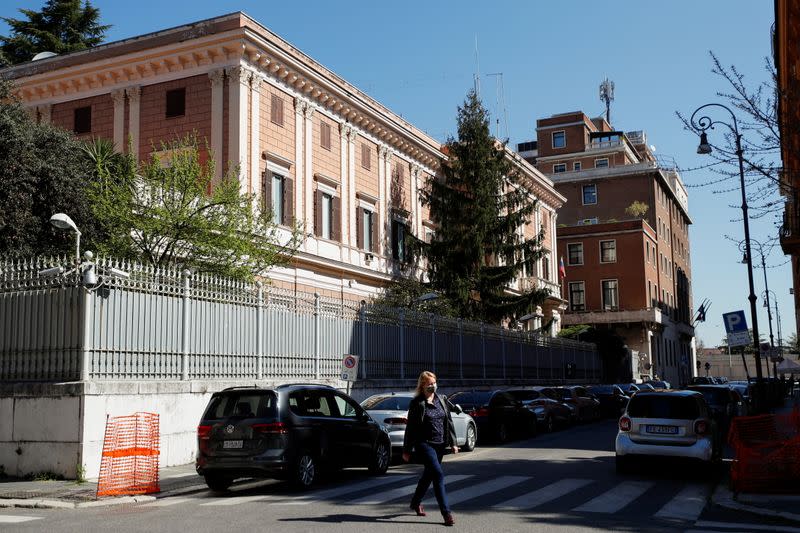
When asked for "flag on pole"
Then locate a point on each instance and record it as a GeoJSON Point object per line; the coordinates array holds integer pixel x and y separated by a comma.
{"type": "Point", "coordinates": [562, 272]}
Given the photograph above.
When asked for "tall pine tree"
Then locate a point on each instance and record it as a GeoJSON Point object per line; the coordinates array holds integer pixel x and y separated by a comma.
{"type": "Point", "coordinates": [62, 26]}
{"type": "Point", "coordinates": [479, 206]}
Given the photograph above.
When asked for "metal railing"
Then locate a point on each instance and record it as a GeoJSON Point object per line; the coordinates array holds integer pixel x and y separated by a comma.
{"type": "Point", "coordinates": [166, 324]}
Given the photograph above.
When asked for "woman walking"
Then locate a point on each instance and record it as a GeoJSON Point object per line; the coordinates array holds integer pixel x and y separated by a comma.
{"type": "Point", "coordinates": [429, 433]}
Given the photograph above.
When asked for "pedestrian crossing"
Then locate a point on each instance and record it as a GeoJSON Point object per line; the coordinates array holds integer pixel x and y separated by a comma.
{"type": "Point", "coordinates": [500, 493]}
{"type": "Point", "coordinates": [17, 519]}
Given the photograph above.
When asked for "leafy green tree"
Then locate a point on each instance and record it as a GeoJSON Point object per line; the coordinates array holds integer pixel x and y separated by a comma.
{"type": "Point", "coordinates": [171, 210]}
{"type": "Point", "coordinates": [478, 205]}
{"type": "Point", "coordinates": [637, 209]}
{"type": "Point", "coordinates": [62, 26]}
{"type": "Point", "coordinates": [41, 173]}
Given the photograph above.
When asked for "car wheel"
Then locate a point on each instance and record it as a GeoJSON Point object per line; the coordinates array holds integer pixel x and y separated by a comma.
{"type": "Point", "coordinates": [623, 464]}
{"type": "Point", "coordinates": [502, 433]}
{"type": "Point", "coordinates": [304, 471]}
{"type": "Point", "coordinates": [472, 438]}
{"type": "Point", "coordinates": [218, 483]}
{"type": "Point", "coordinates": [549, 424]}
{"type": "Point", "coordinates": [381, 459]}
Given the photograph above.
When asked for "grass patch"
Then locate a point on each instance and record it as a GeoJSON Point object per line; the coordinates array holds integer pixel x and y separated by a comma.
{"type": "Point", "coordinates": [43, 476]}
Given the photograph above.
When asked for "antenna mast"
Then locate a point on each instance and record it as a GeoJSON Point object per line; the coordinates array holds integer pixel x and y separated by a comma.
{"type": "Point", "coordinates": [477, 76]}
{"type": "Point", "coordinates": [607, 96]}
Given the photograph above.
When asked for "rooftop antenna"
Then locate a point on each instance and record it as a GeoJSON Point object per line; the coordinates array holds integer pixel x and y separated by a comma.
{"type": "Point", "coordinates": [477, 76]}
{"type": "Point", "coordinates": [607, 96]}
{"type": "Point", "coordinates": [501, 105]}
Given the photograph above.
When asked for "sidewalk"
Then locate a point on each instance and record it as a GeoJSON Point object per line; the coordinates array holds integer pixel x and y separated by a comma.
{"type": "Point", "coordinates": [71, 495]}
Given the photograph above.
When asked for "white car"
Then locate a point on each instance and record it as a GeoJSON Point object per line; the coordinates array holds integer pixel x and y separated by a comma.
{"type": "Point", "coordinates": [391, 410]}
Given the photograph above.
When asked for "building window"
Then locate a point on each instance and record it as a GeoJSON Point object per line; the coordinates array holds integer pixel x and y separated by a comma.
{"type": "Point", "coordinates": [560, 167]}
{"type": "Point", "coordinates": [176, 102]}
{"type": "Point", "coordinates": [588, 221]}
{"type": "Point", "coordinates": [647, 245]}
{"type": "Point", "coordinates": [577, 294]}
{"type": "Point", "coordinates": [277, 198]}
{"type": "Point", "coordinates": [326, 207]}
{"type": "Point", "coordinates": [610, 295]}
{"type": "Point", "coordinates": [601, 163]}
{"type": "Point", "coordinates": [589, 194]}
{"type": "Point", "coordinates": [546, 267]}
{"type": "Point", "coordinates": [399, 230]}
{"type": "Point", "coordinates": [276, 110]}
{"type": "Point", "coordinates": [608, 251]}
{"type": "Point", "coordinates": [325, 135]}
{"type": "Point", "coordinates": [365, 157]}
{"type": "Point", "coordinates": [576, 165]}
{"type": "Point", "coordinates": [366, 229]}
{"type": "Point", "coordinates": [83, 120]}
{"type": "Point", "coordinates": [575, 253]}
{"type": "Point", "coordinates": [559, 139]}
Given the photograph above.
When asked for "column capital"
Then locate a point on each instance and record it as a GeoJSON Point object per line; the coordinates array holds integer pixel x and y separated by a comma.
{"type": "Point", "coordinates": [384, 152]}
{"type": "Point", "coordinates": [239, 74]}
{"type": "Point", "coordinates": [118, 96]}
{"type": "Point", "coordinates": [134, 93]}
{"type": "Point", "coordinates": [217, 77]}
{"type": "Point", "coordinates": [346, 130]}
{"type": "Point", "coordinates": [415, 170]}
{"type": "Point", "coordinates": [303, 107]}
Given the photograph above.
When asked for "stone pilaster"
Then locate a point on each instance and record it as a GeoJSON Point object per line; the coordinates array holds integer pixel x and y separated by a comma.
{"type": "Point", "coordinates": [134, 95]}
{"type": "Point", "coordinates": [217, 78]}
{"type": "Point", "coordinates": [118, 97]}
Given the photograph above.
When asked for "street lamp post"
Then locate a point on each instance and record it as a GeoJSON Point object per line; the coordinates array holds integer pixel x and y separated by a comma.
{"type": "Point", "coordinates": [703, 124]}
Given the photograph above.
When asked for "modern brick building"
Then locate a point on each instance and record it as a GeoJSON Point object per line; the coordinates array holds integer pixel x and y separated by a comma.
{"type": "Point", "coordinates": [623, 235]}
{"type": "Point", "coordinates": [311, 146]}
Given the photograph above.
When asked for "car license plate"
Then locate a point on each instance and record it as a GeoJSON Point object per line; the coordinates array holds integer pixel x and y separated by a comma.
{"type": "Point", "coordinates": [232, 444]}
{"type": "Point", "coordinates": [663, 430]}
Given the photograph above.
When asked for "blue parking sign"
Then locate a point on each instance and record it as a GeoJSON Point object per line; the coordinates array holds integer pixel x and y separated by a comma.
{"type": "Point", "coordinates": [736, 328]}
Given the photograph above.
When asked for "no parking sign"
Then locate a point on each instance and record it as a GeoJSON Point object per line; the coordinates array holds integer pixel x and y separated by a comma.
{"type": "Point", "coordinates": [350, 367]}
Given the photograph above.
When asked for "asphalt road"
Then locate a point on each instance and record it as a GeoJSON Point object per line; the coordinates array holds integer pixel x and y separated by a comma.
{"type": "Point", "coordinates": [559, 482]}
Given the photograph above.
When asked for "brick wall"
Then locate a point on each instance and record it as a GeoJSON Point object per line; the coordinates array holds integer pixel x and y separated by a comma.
{"type": "Point", "coordinates": [63, 115]}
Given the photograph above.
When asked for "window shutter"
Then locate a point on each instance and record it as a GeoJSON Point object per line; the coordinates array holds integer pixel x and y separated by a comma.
{"type": "Point", "coordinates": [288, 201]}
{"type": "Point", "coordinates": [336, 219]}
{"type": "Point", "coordinates": [365, 156]}
{"type": "Point", "coordinates": [276, 110]}
{"type": "Point", "coordinates": [318, 213]}
{"type": "Point", "coordinates": [374, 227]}
{"type": "Point", "coordinates": [325, 135]}
{"type": "Point", "coordinates": [266, 190]}
{"type": "Point", "coordinates": [360, 228]}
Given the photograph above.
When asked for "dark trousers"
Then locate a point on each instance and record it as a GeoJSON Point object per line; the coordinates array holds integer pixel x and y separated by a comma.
{"type": "Point", "coordinates": [430, 455]}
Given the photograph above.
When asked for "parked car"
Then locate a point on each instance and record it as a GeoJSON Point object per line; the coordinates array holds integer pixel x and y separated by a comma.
{"type": "Point", "coordinates": [587, 407]}
{"type": "Point", "coordinates": [725, 403]}
{"type": "Point", "coordinates": [646, 386]}
{"type": "Point", "coordinates": [743, 388]}
{"type": "Point", "coordinates": [612, 400]}
{"type": "Point", "coordinates": [391, 410]}
{"type": "Point", "coordinates": [702, 380]}
{"type": "Point", "coordinates": [628, 388]}
{"type": "Point", "coordinates": [497, 414]}
{"type": "Point", "coordinates": [288, 432]}
{"type": "Point", "coordinates": [659, 384]}
{"type": "Point", "coordinates": [568, 410]}
{"type": "Point", "coordinates": [548, 411]}
{"type": "Point", "coordinates": [667, 424]}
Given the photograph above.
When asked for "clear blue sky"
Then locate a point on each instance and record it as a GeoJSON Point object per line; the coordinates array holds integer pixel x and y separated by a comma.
{"type": "Point", "coordinates": [418, 58]}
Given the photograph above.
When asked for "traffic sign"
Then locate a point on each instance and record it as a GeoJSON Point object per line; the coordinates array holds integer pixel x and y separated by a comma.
{"type": "Point", "coordinates": [350, 367]}
{"type": "Point", "coordinates": [736, 328]}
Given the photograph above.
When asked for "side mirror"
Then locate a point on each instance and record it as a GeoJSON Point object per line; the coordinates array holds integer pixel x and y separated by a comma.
{"type": "Point", "coordinates": [457, 409]}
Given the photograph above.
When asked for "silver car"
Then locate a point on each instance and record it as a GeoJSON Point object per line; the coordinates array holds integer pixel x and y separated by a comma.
{"type": "Point", "coordinates": [391, 410]}
{"type": "Point", "coordinates": [667, 424]}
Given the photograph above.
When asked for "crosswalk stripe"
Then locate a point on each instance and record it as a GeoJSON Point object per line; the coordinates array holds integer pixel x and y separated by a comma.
{"type": "Point", "coordinates": [186, 474]}
{"type": "Point", "coordinates": [687, 505]}
{"type": "Point", "coordinates": [544, 494]}
{"type": "Point", "coordinates": [405, 490]}
{"type": "Point", "coordinates": [166, 502]}
{"type": "Point", "coordinates": [747, 526]}
{"type": "Point", "coordinates": [15, 519]}
{"type": "Point", "coordinates": [346, 489]}
{"type": "Point", "coordinates": [484, 488]}
{"type": "Point", "coordinates": [236, 500]}
{"type": "Point", "coordinates": [615, 499]}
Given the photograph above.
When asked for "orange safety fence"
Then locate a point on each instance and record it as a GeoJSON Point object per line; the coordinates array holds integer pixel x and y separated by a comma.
{"type": "Point", "coordinates": [766, 453]}
{"type": "Point", "coordinates": [131, 449]}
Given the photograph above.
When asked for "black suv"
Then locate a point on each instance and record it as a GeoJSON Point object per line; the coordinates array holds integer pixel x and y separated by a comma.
{"type": "Point", "coordinates": [288, 432]}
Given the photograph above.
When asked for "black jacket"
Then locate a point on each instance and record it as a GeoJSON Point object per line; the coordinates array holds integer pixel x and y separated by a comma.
{"type": "Point", "coordinates": [416, 414]}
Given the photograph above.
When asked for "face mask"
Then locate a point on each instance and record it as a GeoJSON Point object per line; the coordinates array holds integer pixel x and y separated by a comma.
{"type": "Point", "coordinates": [431, 388]}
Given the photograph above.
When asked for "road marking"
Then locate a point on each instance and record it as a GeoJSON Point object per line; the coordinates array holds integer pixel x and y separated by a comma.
{"type": "Point", "coordinates": [346, 489]}
{"type": "Point", "coordinates": [484, 488]}
{"type": "Point", "coordinates": [616, 498]}
{"type": "Point", "coordinates": [746, 526]}
{"type": "Point", "coordinates": [405, 490]}
{"type": "Point", "coordinates": [166, 502]}
{"type": "Point", "coordinates": [687, 504]}
{"type": "Point", "coordinates": [15, 519]}
{"type": "Point", "coordinates": [187, 474]}
{"type": "Point", "coordinates": [544, 494]}
{"type": "Point", "coordinates": [236, 500]}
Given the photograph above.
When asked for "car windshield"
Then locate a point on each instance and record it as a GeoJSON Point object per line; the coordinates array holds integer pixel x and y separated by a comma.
{"type": "Point", "coordinates": [655, 406]}
{"type": "Point", "coordinates": [387, 403]}
{"type": "Point", "coordinates": [470, 399]}
{"type": "Point", "coordinates": [601, 389]}
{"type": "Point", "coordinates": [714, 396]}
{"type": "Point", "coordinates": [243, 404]}
{"type": "Point", "coordinates": [524, 395]}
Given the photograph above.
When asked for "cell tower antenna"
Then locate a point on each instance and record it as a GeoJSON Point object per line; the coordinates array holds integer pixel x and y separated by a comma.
{"type": "Point", "coordinates": [607, 96]}
{"type": "Point", "coordinates": [477, 76]}
{"type": "Point", "coordinates": [501, 110]}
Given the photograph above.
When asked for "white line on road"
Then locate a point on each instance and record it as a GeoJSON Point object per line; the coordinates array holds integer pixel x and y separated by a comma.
{"type": "Point", "coordinates": [616, 498]}
{"type": "Point", "coordinates": [236, 500]}
{"type": "Point", "coordinates": [544, 494]}
{"type": "Point", "coordinates": [746, 526]}
{"type": "Point", "coordinates": [687, 504]}
{"type": "Point", "coordinates": [187, 474]}
{"type": "Point", "coordinates": [405, 490]}
{"type": "Point", "coordinates": [484, 488]}
{"type": "Point", "coordinates": [166, 502]}
{"type": "Point", "coordinates": [346, 489]}
{"type": "Point", "coordinates": [15, 519]}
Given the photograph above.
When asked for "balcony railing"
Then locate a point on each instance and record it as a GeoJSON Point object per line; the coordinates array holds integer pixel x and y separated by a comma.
{"type": "Point", "coordinates": [533, 283]}
{"type": "Point", "coordinates": [790, 229]}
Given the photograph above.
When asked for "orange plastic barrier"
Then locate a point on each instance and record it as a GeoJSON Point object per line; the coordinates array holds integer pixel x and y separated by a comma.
{"type": "Point", "coordinates": [131, 449]}
{"type": "Point", "coordinates": [767, 453]}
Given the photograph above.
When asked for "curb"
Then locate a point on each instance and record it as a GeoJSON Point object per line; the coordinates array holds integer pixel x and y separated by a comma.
{"type": "Point", "coordinates": [38, 503]}
{"type": "Point", "coordinates": [723, 497]}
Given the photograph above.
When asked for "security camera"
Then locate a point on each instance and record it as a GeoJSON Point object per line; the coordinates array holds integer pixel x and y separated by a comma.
{"type": "Point", "coordinates": [51, 272]}
{"type": "Point", "coordinates": [117, 273]}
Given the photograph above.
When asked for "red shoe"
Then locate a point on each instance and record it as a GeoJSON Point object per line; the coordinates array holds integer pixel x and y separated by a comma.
{"type": "Point", "coordinates": [449, 520]}
{"type": "Point", "coordinates": [418, 509]}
